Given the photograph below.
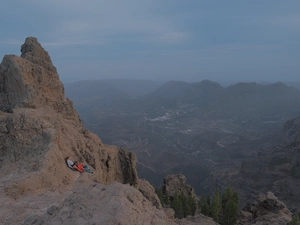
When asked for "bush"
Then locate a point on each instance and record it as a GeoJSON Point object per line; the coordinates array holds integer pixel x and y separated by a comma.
{"type": "Point", "coordinates": [183, 205]}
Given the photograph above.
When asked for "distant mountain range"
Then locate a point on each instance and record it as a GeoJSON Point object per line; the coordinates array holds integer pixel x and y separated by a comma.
{"type": "Point", "coordinates": [114, 87]}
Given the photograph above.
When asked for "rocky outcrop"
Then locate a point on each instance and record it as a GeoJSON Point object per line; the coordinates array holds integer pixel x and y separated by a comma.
{"type": "Point", "coordinates": [177, 183]}
{"type": "Point", "coordinates": [149, 192]}
{"type": "Point", "coordinates": [31, 81]}
{"type": "Point", "coordinates": [92, 203]}
{"type": "Point", "coordinates": [102, 204]}
{"type": "Point", "coordinates": [198, 219]}
{"type": "Point", "coordinates": [38, 129]}
{"type": "Point", "coordinates": [266, 210]}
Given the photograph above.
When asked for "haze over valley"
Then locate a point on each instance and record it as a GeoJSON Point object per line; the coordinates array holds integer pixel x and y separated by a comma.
{"type": "Point", "coordinates": [150, 112]}
{"type": "Point", "coordinates": [202, 130]}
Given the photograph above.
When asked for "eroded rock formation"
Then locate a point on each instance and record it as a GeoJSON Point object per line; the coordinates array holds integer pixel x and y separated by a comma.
{"type": "Point", "coordinates": [38, 129]}
{"type": "Point", "coordinates": [267, 209]}
{"type": "Point", "coordinates": [177, 183]}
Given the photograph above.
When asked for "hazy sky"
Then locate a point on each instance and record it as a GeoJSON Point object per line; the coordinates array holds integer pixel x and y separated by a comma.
{"type": "Point", "coordinates": [190, 40]}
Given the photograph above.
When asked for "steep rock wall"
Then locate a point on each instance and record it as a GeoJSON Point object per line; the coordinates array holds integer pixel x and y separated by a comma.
{"type": "Point", "coordinates": [39, 128]}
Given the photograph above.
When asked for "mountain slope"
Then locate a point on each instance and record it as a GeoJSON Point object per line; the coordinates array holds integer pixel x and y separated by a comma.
{"type": "Point", "coordinates": [38, 129]}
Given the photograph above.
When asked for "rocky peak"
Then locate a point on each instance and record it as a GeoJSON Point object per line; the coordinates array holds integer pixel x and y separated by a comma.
{"type": "Point", "coordinates": [31, 81]}
{"type": "Point", "coordinates": [35, 53]}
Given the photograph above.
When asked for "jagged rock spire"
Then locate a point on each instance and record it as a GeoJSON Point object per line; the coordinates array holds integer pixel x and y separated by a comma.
{"type": "Point", "coordinates": [35, 53]}
{"type": "Point", "coordinates": [31, 81]}
{"type": "Point", "coordinates": [34, 48]}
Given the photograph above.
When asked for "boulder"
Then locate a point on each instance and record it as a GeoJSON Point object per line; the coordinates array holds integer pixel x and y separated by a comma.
{"type": "Point", "coordinates": [177, 183]}
{"type": "Point", "coordinates": [267, 209]}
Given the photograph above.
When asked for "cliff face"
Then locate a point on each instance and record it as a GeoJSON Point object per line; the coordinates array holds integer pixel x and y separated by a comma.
{"type": "Point", "coordinates": [267, 209]}
{"type": "Point", "coordinates": [31, 81]}
{"type": "Point", "coordinates": [38, 129]}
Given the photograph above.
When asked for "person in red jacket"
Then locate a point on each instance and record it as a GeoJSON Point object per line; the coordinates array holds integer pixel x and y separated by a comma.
{"type": "Point", "coordinates": [81, 167]}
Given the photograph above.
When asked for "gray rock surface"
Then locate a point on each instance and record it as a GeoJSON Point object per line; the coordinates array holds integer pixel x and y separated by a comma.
{"type": "Point", "coordinates": [102, 204]}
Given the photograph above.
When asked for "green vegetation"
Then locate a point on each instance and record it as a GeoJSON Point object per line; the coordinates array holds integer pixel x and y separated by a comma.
{"type": "Point", "coordinates": [164, 199]}
{"type": "Point", "coordinates": [182, 204]}
{"type": "Point", "coordinates": [230, 206]}
{"type": "Point", "coordinates": [205, 206]}
{"type": "Point", "coordinates": [295, 171]}
{"type": "Point", "coordinates": [294, 221]}
{"type": "Point", "coordinates": [216, 207]}
{"type": "Point", "coordinates": [223, 210]}
{"type": "Point", "coordinates": [177, 205]}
